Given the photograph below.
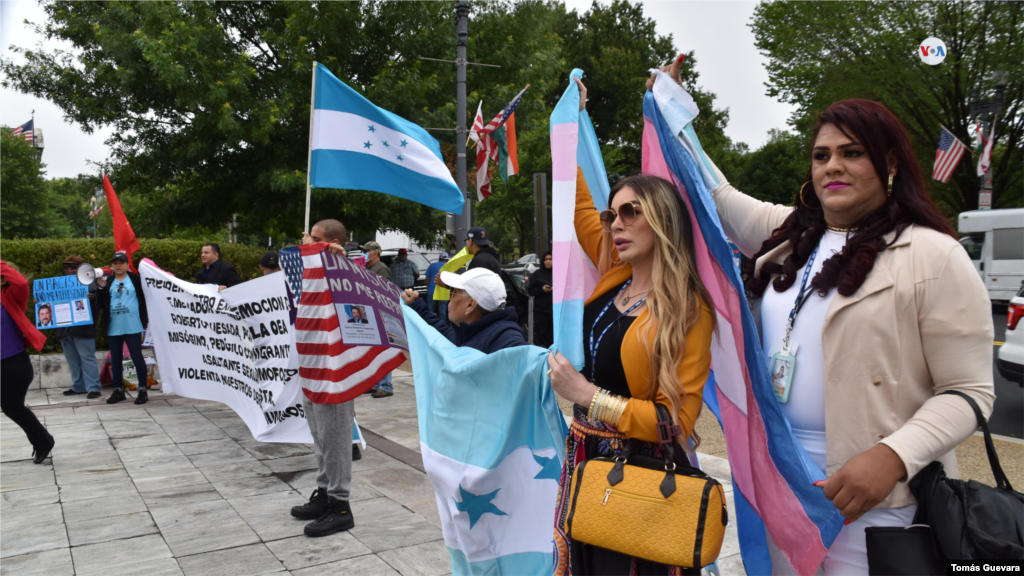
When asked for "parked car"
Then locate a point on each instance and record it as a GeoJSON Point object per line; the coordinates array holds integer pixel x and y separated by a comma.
{"type": "Point", "coordinates": [1010, 359]}
{"type": "Point", "coordinates": [387, 256]}
{"type": "Point", "coordinates": [523, 267]}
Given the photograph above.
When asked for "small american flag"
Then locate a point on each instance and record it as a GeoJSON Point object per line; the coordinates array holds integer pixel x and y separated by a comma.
{"type": "Point", "coordinates": [948, 155]}
{"type": "Point", "coordinates": [329, 371]}
{"type": "Point", "coordinates": [25, 131]}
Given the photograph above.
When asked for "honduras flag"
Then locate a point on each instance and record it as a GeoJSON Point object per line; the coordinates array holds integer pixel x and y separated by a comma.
{"type": "Point", "coordinates": [359, 146]}
{"type": "Point", "coordinates": [493, 441]}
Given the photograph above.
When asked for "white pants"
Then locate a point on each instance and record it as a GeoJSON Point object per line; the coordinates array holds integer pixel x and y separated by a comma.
{"type": "Point", "coordinates": [849, 552]}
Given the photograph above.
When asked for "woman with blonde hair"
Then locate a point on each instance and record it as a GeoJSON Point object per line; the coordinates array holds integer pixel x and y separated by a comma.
{"type": "Point", "coordinates": [647, 336]}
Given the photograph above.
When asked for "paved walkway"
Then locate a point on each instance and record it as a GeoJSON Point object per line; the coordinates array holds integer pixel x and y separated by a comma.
{"type": "Point", "coordinates": [179, 486]}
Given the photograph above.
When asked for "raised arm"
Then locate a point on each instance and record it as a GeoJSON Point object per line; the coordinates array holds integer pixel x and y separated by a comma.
{"type": "Point", "coordinates": [747, 221]}
{"type": "Point", "coordinates": [587, 221]}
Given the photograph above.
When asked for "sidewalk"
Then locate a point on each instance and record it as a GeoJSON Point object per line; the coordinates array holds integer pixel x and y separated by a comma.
{"type": "Point", "coordinates": [179, 486]}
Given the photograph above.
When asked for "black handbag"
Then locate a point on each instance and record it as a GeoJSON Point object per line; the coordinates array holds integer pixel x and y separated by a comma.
{"type": "Point", "coordinates": [955, 520]}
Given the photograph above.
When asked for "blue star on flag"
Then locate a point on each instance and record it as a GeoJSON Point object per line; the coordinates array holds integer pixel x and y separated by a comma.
{"type": "Point", "coordinates": [551, 468]}
{"type": "Point", "coordinates": [400, 159]}
{"type": "Point", "coordinates": [403, 144]}
{"type": "Point", "coordinates": [367, 144]}
{"type": "Point", "coordinates": [386, 145]}
{"type": "Point", "coordinates": [476, 506]}
{"type": "Point", "coordinates": [372, 129]}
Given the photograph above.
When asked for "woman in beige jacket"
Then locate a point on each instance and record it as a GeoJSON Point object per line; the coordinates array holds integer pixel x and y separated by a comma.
{"type": "Point", "coordinates": [869, 308]}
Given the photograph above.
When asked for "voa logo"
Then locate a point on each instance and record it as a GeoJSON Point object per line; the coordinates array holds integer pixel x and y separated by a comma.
{"type": "Point", "coordinates": [932, 51]}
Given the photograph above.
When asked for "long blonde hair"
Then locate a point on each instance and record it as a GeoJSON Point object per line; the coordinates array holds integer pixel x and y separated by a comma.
{"type": "Point", "coordinates": [675, 300]}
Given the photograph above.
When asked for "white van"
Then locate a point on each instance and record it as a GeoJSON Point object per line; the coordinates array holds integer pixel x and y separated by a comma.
{"type": "Point", "coordinates": [995, 241]}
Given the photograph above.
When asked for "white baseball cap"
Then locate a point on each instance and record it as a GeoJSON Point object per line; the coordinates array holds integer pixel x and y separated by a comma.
{"type": "Point", "coordinates": [481, 284]}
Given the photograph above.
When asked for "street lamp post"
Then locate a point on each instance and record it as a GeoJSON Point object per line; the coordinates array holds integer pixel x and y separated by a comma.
{"type": "Point", "coordinates": [986, 112]}
{"type": "Point", "coordinates": [465, 220]}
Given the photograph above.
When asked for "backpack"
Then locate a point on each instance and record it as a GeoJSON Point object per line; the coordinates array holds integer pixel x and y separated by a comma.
{"type": "Point", "coordinates": [513, 297]}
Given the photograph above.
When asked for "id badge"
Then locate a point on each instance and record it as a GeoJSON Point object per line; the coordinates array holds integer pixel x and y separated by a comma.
{"type": "Point", "coordinates": [782, 367]}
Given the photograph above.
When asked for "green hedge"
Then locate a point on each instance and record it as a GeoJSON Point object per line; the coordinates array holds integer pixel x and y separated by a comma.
{"type": "Point", "coordinates": [44, 258]}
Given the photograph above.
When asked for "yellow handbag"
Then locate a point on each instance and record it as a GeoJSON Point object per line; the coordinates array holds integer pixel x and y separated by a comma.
{"type": "Point", "coordinates": [647, 507]}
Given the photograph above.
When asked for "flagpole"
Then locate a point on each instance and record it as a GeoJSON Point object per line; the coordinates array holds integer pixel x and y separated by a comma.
{"type": "Point", "coordinates": [309, 157]}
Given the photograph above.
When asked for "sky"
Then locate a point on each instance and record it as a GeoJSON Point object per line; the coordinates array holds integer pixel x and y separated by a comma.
{"type": "Point", "coordinates": [728, 63]}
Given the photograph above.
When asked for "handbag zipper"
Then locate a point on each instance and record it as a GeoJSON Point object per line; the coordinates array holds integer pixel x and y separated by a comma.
{"type": "Point", "coordinates": [608, 492]}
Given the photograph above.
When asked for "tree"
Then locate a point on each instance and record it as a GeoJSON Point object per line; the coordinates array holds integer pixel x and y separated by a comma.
{"type": "Point", "coordinates": [24, 197]}
{"type": "Point", "coordinates": [774, 172]}
{"type": "Point", "coordinates": [869, 50]}
{"type": "Point", "coordinates": [210, 101]}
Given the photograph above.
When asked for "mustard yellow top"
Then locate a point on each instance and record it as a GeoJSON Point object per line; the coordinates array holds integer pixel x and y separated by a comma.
{"type": "Point", "coordinates": [639, 419]}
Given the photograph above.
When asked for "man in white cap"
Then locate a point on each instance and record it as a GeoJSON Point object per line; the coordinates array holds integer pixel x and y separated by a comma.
{"type": "Point", "coordinates": [477, 311]}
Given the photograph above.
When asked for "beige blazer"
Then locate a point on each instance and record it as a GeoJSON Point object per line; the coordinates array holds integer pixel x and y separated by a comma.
{"type": "Point", "coordinates": [920, 324]}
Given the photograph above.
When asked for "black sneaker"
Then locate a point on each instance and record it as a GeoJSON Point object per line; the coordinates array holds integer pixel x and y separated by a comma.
{"type": "Point", "coordinates": [116, 396]}
{"type": "Point", "coordinates": [93, 395]}
{"type": "Point", "coordinates": [356, 454]}
{"type": "Point", "coordinates": [72, 392]}
{"type": "Point", "coordinates": [141, 397]}
{"type": "Point", "coordinates": [382, 394]}
{"type": "Point", "coordinates": [338, 517]}
{"type": "Point", "coordinates": [313, 509]}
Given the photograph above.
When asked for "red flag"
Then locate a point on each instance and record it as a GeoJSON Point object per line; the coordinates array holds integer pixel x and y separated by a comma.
{"type": "Point", "coordinates": [124, 238]}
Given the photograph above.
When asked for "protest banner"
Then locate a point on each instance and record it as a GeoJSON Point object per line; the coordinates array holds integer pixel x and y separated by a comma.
{"type": "Point", "coordinates": [231, 347]}
{"type": "Point", "coordinates": [61, 301]}
{"type": "Point", "coordinates": [369, 306]}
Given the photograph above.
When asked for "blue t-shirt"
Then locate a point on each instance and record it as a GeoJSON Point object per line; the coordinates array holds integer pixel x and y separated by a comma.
{"type": "Point", "coordinates": [432, 271]}
{"type": "Point", "coordinates": [124, 308]}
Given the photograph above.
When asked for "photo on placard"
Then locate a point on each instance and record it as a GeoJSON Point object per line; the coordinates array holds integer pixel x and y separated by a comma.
{"type": "Point", "coordinates": [357, 324]}
{"type": "Point", "coordinates": [44, 315]}
{"type": "Point", "coordinates": [80, 311]}
{"type": "Point", "coordinates": [395, 330]}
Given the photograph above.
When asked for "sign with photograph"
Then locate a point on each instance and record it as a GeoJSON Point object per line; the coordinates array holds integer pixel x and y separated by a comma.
{"type": "Point", "coordinates": [61, 301]}
{"type": "Point", "coordinates": [369, 306]}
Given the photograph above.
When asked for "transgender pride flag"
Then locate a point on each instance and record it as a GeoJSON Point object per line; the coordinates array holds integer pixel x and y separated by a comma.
{"type": "Point", "coordinates": [573, 143]}
{"type": "Point", "coordinates": [772, 473]}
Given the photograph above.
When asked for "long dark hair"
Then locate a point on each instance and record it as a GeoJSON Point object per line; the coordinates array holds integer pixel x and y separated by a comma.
{"type": "Point", "coordinates": [883, 137]}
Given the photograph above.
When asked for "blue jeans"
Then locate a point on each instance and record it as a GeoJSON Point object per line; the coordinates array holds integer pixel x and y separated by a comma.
{"type": "Point", "coordinates": [81, 356]}
{"type": "Point", "coordinates": [134, 342]}
{"type": "Point", "coordinates": [438, 307]}
{"type": "Point", "coordinates": [385, 384]}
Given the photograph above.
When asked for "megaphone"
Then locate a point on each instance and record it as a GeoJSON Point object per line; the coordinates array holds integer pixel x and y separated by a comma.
{"type": "Point", "coordinates": [87, 273]}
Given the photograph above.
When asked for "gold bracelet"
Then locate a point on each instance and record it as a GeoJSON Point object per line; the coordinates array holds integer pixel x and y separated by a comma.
{"type": "Point", "coordinates": [590, 411]}
{"type": "Point", "coordinates": [597, 405]}
{"type": "Point", "coordinates": [615, 405]}
{"type": "Point", "coordinates": [601, 405]}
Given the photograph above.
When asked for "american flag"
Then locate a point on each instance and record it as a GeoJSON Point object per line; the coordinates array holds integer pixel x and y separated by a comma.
{"type": "Point", "coordinates": [329, 371]}
{"type": "Point", "coordinates": [25, 131]}
{"type": "Point", "coordinates": [948, 155]}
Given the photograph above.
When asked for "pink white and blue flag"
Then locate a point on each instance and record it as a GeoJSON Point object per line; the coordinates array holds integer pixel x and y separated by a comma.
{"type": "Point", "coordinates": [772, 473]}
{"type": "Point", "coordinates": [573, 143]}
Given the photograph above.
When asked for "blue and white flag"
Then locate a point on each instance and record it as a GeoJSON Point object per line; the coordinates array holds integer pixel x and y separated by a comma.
{"type": "Point", "coordinates": [493, 442]}
{"type": "Point", "coordinates": [358, 146]}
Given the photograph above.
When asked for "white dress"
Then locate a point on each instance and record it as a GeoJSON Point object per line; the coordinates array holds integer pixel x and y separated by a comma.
{"type": "Point", "coordinates": [805, 408]}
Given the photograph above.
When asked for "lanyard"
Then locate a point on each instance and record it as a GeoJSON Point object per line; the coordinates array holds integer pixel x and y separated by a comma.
{"type": "Point", "coordinates": [594, 346]}
{"type": "Point", "coordinates": [801, 298]}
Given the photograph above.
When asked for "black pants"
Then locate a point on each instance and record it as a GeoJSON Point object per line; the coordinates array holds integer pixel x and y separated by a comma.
{"type": "Point", "coordinates": [16, 375]}
{"type": "Point", "coordinates": [134, 342]}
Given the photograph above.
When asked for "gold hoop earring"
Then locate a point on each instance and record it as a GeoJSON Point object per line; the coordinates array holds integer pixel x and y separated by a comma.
{"type": "Point", "coordinates": [889, 191]}
{"type": "Point", "coordinates": [802, 199]}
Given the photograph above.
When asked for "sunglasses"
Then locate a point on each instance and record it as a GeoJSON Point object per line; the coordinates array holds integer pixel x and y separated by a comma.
{"type": "Point", "coordinates": [71, 266]}
{"type": "Point", "coordinates": [627, 212]}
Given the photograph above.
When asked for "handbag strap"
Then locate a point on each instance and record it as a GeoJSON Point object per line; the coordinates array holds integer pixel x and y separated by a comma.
{"type": "Point", "coordinates": [990, 448]}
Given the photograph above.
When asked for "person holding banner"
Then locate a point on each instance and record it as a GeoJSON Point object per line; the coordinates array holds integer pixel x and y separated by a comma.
{"type": "Point", "coordinates": [79, 343]}
{"type": "Point", "coordinates": [869, 301]}
{"type": "Point", "coordinates": [647, 332]}
{"type": "Point", "coordinates": [124, 322]}
{"type": "Point", "coordinates": [16, 331]}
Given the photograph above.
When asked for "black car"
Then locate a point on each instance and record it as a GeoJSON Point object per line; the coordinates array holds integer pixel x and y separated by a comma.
{"type": "Point", "coordinates": [421, 262]}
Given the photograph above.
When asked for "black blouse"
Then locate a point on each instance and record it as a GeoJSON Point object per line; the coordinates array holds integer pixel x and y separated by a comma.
{"type": "Point", "coordinates": [609, 373]}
